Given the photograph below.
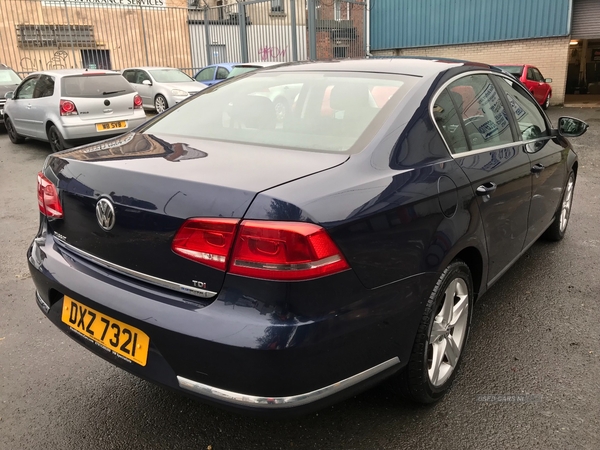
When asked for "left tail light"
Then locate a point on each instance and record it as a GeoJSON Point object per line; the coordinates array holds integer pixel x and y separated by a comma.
{"type": "Point", "coordinates": [48, 201]}
{"type": "Point", "coordinates": [137, 102]}
{"type": "Point", "coordinates": [68, 108]}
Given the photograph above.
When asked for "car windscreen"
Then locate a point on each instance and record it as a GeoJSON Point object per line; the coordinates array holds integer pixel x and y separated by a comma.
{"type": "Point", "coordinates": [327, 111]}
{"type": "Point", "coordinates": [239, 70]}
{"type": "Point", "coordinates": [169, 76]}
{"type": "Point", "coordinates": [8, 77]}
{"type": "Point", "coordinates": [95, 85]}
{"type": "Point", "coordinates": [515, 71]}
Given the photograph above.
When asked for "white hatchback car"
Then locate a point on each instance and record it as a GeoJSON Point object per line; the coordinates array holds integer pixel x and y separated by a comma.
{"type": "Point", "coordinates": [72, 107]}
{"type": "Point", "coordinates": [162, 87]}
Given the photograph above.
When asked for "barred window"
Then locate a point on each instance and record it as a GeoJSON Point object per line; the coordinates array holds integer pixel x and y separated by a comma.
{"type": "Point", "coordinates": [55, 35]}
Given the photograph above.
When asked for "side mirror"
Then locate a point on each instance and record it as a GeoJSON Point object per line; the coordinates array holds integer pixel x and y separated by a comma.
{"type": "Point", "coordinates": [571, 127]}
{"type": "Point", "coordinates": [147, 82]}
{"type": "Point", "coordinates": [548, 80]}
{"type": "Point", "coordinates": [9, 95]}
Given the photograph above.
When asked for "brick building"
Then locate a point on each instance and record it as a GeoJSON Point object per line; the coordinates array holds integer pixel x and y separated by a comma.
{"type": "Point", "coordinates": [560, 37]}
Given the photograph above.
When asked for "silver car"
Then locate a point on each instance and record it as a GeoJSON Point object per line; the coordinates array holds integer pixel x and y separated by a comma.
{"type": "Point", "coordinates": [72, 107]}
{"type": "Point", "coordinates": [161, 87]}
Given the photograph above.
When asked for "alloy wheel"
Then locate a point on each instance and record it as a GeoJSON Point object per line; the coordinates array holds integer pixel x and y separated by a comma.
{"type": "Point", "coordinates": [566, 204]}
{"type": "Point", "coordinates": [448, 332]}
{"type": "Point", "coordinates": [160, 104]}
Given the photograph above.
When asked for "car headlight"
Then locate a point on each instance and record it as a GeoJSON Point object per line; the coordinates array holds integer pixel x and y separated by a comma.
{"type": "Point", "coordinates": [179, 93]}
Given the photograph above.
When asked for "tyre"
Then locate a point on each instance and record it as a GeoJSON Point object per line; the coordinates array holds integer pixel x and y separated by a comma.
{"type": "Point", "coordinates": [160, 104]}
{"type": "Point", "coordinates": [546, 104]}
{"type": "Point", "coordinates": [57, 143]}
{"type": "Point", "coordinates": [281, 108]}
{"type": "Point", "coordinates": [557, 230]}
{"type": "Point", "coordinates": [441, 337]}
{"type": "Point", "coordinates": [14, 137]}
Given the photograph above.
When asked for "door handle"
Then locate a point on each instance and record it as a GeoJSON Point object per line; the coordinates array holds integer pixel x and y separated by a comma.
{"type": "Point", "coordinates": [486, 188]}
{"type": "Point", "coordinates": [28, 106]}
{"type": "Point", "coordinates": [537, 168]}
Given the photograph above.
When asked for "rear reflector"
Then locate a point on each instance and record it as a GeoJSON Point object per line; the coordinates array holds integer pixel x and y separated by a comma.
{"type": "Point", "coordinates": [48, 201]}
{"type": "Point", "coordinates": [207, 241]}
{"type": "Point", "coordinates": [285, 251]}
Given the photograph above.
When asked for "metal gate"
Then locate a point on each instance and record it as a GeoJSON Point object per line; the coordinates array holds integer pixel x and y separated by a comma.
{"type": "Point", "coordinates": [59, 34]}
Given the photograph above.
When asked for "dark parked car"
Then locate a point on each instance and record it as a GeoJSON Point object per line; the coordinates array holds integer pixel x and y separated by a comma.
{"type": "Point", "coordinates": [281, 266]}
{"type": "Point", "coordinates": [9, 80]}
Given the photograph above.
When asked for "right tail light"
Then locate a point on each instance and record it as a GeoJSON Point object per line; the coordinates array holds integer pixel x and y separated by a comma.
{"type": "Point", "coordinates": [283, 251]}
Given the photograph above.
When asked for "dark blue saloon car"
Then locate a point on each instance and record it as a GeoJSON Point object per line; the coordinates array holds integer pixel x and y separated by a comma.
{"type": "Point", "coordinates": [280, 264]}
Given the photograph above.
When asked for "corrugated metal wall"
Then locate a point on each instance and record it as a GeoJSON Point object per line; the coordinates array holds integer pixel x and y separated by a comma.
{"type": "Point", "coordinates": [420, 23]}
{"type": "Point", "coordinates": [586, 19]}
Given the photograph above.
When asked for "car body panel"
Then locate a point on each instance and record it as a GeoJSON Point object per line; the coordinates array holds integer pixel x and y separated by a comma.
{"type": "Point", "coordinates": [400, 210]}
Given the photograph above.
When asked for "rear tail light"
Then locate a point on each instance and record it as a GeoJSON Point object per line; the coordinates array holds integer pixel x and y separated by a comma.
{"type": "Point", "coordinates": [48, 200]}
{"type": "Point", "coordinates": [207, 241]}
{"type": "Point", "coordinates": [67, 108]}
{"type": "Point", "coordinates": [137, 102]}
{"type": "Point", "coordinates": [285, 251]}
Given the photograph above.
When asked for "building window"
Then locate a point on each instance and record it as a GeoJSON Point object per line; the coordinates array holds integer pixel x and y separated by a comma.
{"type": "Point", "coordinates": [340, 52]}
{"type": "Point", "coordinates": [55, 36]}
{"type": "Point", "coordinates": [277, 6]}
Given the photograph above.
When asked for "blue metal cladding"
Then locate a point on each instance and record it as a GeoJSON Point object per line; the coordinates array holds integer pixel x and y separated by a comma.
{"type": "Point", "coordinates": [420, 23]}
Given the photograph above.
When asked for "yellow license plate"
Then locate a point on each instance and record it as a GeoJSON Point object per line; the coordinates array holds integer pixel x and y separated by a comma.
{"type": "Point", "coordinates": [111, 125]}
{"type": "Point", "coordinates": [116, 336]}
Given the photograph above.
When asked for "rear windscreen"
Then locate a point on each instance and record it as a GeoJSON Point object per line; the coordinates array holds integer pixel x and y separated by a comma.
{"type": "Point", "coordinates": [327, 111]}
{"type": "Point", "coordinates": [515, 71]}
{"type": "Point", "coordinates": [92, 86]}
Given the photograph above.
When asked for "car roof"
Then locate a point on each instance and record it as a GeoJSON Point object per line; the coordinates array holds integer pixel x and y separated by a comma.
{"type": "Point", "coordinates": [260, 64]}
{"type": "Point", "coordinates": [414, 66]}
{"type": "Point", "coordinates": [151, 68]}
{"type": "Point", "coordinates": [71, 72]}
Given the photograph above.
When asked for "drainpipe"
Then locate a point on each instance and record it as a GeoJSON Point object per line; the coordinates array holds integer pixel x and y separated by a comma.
{"type": "Point", "coordinates": [368, 19]}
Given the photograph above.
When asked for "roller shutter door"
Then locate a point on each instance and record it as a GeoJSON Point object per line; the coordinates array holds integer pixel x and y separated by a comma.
{"type": "Point", "coordinates": [586, 19]}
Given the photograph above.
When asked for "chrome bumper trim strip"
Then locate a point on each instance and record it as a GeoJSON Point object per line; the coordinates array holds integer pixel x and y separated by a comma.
{"type": "Point", "coordinates": [138, 275]}
{"type": "Point", "coordinates": [236, 398]}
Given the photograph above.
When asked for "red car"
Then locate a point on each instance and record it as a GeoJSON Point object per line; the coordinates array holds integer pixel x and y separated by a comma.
{"type": "Point", "coordinates": [533, 79]}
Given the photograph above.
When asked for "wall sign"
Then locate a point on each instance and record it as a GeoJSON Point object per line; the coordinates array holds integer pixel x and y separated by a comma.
{"type": "Point", "coordinates": [596, 54]}
{"type": "Point", "coordinates": [107, 3]}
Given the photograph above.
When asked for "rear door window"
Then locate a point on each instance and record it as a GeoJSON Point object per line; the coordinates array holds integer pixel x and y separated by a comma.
{"type": "Point", "coordinates": [91, 86]}
{"type": "Point", "coordinates": [44, 87]}
{"type": "Point", "coordinates": [486, 121]}
{"type": "Point", "coordinates": [222, 73]}
{"type": "Point", "coordinates": [130, 76]}
{"type": "Point", "coordinates": [447, 119]}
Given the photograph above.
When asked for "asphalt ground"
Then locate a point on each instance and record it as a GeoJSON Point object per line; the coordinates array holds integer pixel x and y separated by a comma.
{"type": "Point", "coordinates": [529, 379]}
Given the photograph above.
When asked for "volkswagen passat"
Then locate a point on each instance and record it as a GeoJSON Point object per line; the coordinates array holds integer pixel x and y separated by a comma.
{"type": "Point", "coordinates": [71, 107]}
{"type": "Point", "coordinates": [268, 265]}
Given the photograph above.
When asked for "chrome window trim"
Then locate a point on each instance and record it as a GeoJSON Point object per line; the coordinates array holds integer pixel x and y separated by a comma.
{"type": "Point", "coordinates": [292, 401]}
{"type": "Point", "coordinates": [182, 288]}
{"type": "Point", "coordinates": [479, 150]}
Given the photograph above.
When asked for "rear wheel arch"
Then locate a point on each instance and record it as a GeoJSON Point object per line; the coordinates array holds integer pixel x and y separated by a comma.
{"type": "Point", "coordinates": [574, 168]}
{"type": "Point", "coordinates": [473, 258]}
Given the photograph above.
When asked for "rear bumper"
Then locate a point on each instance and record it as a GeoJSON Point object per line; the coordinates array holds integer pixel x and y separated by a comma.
{"type": "Point", "coordinates": [236, 351]}
{"type": "Point", "coordinates": [77, 131]}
